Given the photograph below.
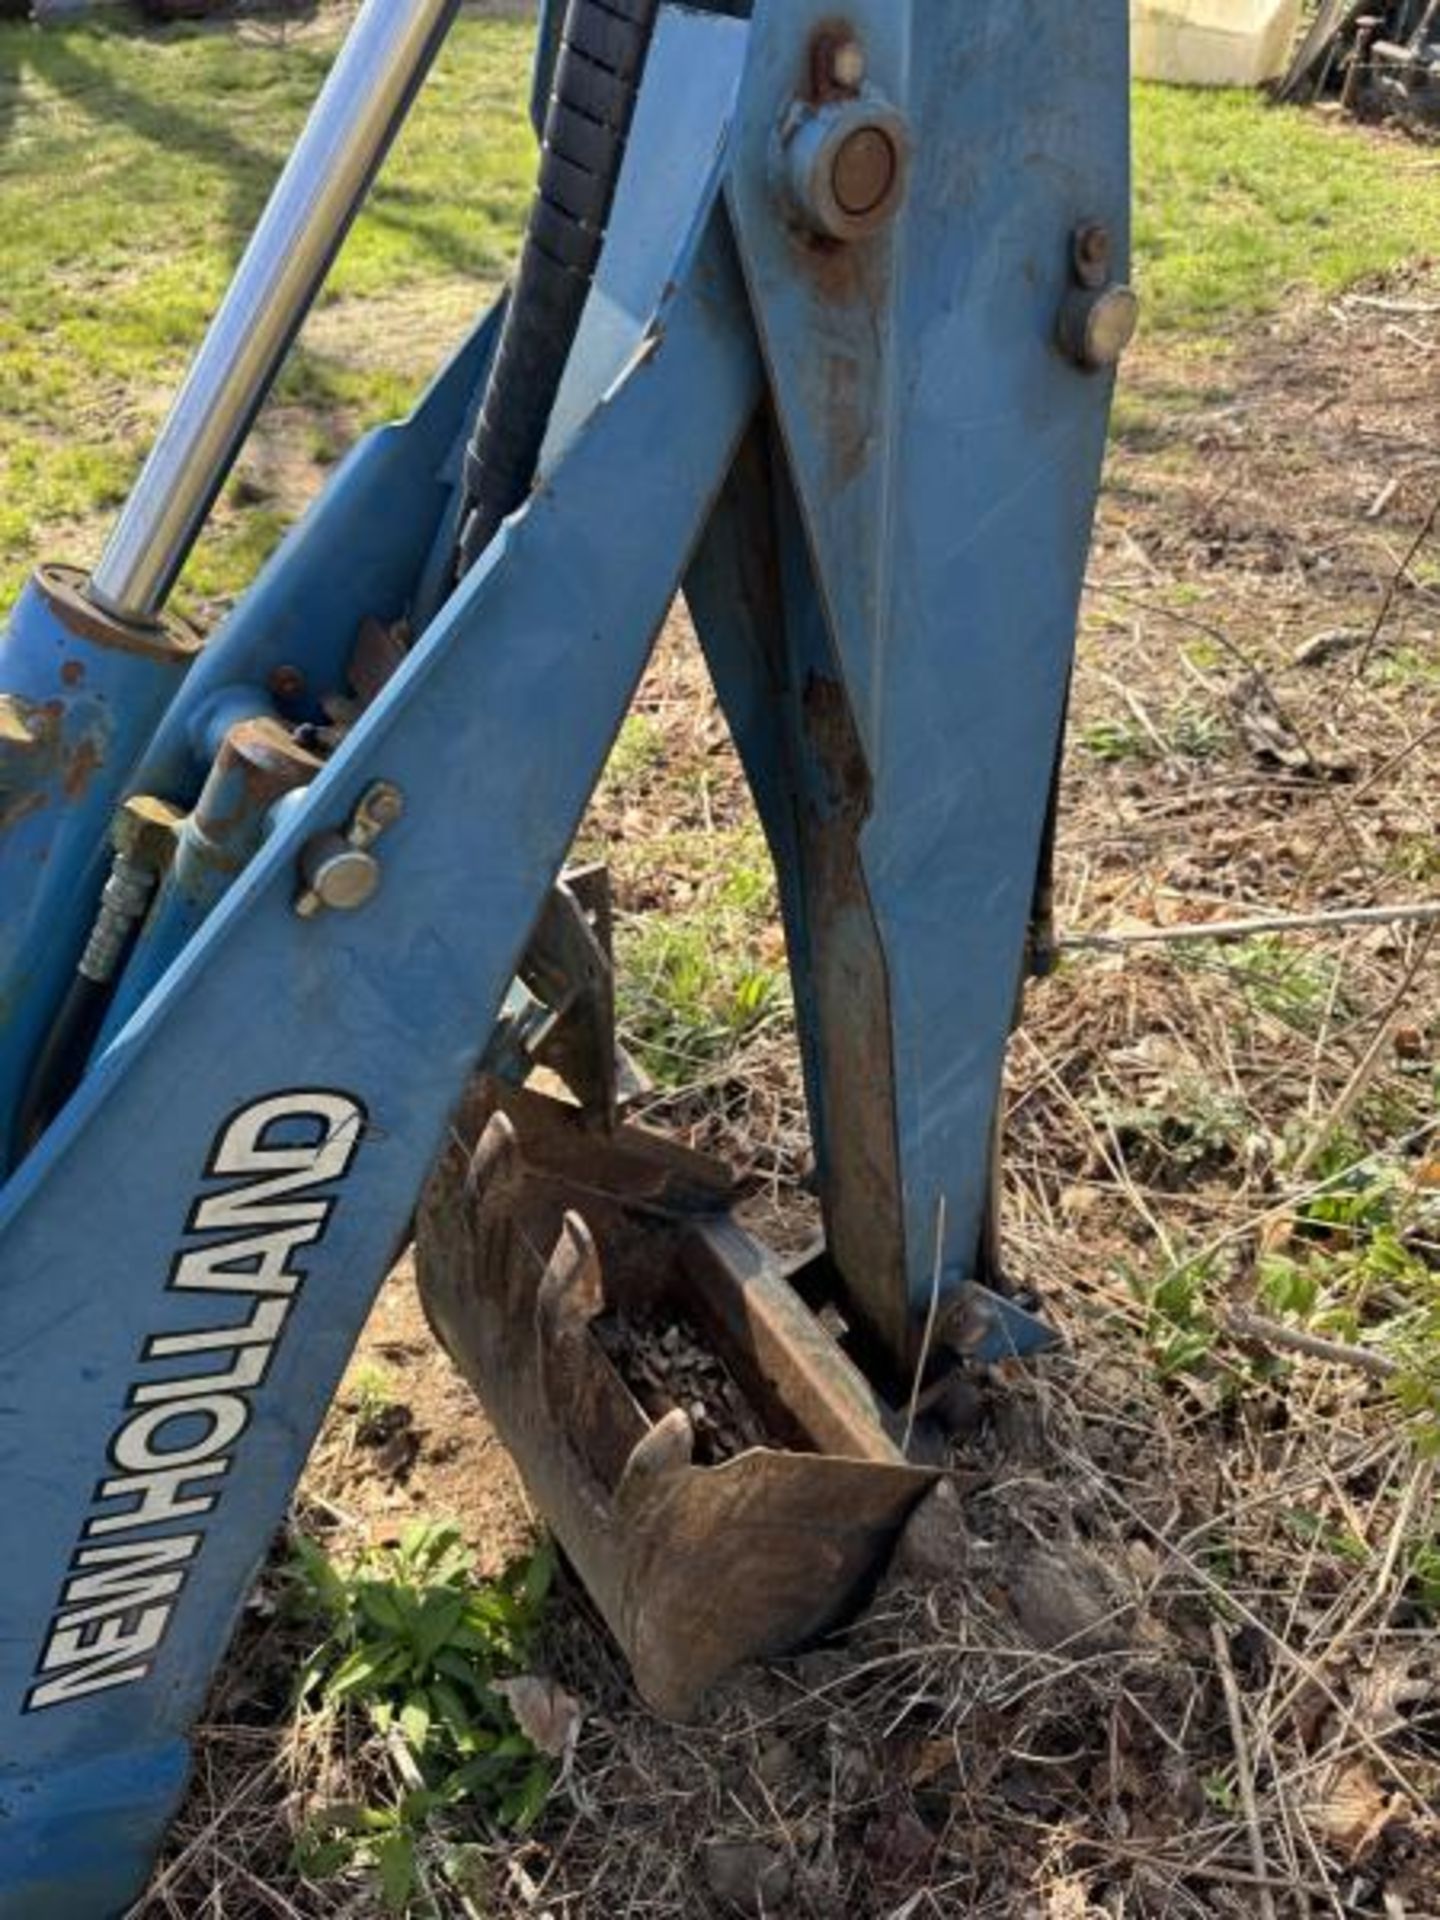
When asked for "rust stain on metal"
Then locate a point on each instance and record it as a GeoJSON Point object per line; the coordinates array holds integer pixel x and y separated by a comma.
{"type": "Point", "coordinates": [522, 1244]}
{"type": "Point", "coordinates": [259, 761]}
{"type": "Point", "coordinates": [849, 279]}
{"type": "Point", "coordinates": [73, 672]}
{"type": "Point", "coordinates": [862, 1196]}
{"type": "Point", "coordinates": [170, 639]}
{"type": "Point", "coordinates": [29, 744]}
{"type": "Point", "coordinates": [848, 409]}
{"type": "Point", "coordinates": [819, 80]}
{"type": "Point", "coordinates": [820, 806]}
{"type": "Point", "coordinates": [82, 763]}
{"type": "Point", "coordinates": [287, 684]}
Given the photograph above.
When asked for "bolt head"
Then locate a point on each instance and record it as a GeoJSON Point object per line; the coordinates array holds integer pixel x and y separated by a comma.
{"type": "Point", "coordinates": [287, 684]}
{"type": "Point", "coordinates": [1111, 327]}
{"type": "Point", "coordinates": [146, 831]}
{"type": "Point", "coordinates": [1092, 250]}
{"type": "Point", "coordinates": [385, 804]}
{"type": "Point", "coordinates": [1096, 328]}
{"type": "Point", "coordinates": [847, 65]}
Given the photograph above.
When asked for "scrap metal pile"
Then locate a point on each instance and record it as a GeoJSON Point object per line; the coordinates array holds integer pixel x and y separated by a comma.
{"type": "Point", "coordinates": [1379, 58]}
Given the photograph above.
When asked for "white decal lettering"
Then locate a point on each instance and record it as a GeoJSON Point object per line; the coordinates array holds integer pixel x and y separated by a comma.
{"type": "Point", "coordinates": [178, 1437]}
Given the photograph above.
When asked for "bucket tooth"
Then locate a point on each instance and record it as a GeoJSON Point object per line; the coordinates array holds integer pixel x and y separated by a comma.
{"type": "Point", "coordinates": [497, 1169]}
{"type": "Point", "coordinates": [494, 1182]}
{"type": "Point", "coordinates": [696, 1568]}
{"type": "Point", "coordinates": [666, 1450]}
{"type": "Point", "coordinates": [572, 1292]}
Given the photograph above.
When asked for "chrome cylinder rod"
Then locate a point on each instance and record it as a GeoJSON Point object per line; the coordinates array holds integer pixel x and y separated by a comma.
{"type": "Point", "coordinates": [358, 113]}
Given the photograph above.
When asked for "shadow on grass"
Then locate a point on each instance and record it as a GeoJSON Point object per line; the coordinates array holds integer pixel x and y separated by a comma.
{"type": "Point", "coordinates": [13, 42]}
{"type": "Point", "coordinates": [62, 61]}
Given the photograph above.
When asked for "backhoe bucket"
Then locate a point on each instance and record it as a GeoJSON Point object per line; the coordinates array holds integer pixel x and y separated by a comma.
{"type": "Point", "coordinates": [545, 1250]}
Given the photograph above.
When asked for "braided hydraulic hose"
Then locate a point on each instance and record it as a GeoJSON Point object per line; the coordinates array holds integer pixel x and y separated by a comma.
{"type": "Point", "coordinates": [603, 48]}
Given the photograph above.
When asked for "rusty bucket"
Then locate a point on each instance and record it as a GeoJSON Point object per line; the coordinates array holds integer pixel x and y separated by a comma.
{"type": "Point", "coordinates": [539, 1241]}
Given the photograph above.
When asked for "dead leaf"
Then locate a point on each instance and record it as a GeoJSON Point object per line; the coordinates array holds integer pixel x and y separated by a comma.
{"type": "Point", "coordinates": [1264, 726]}
{"type": "Point", "coordinates": [900, 1847]}
{"type": "Point", "coordinates": [1271, 736]}
{"type": "Point", "coordinates": [545, 1713]}
{"type": "Point", "coordinates": [1386, 1692]}
{"type": "Point", "coordinates": [930, 1761]}
{"type": "Point", "coordinates": [1068, 1900]}
{"type": "Point", "coordinates": [747, 1876]}
{"type": "Point", "coordinates": [1352, 1811]}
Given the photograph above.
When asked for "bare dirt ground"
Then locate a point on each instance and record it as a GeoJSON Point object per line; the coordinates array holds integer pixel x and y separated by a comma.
{"type": "Point", "coordinates": [1169, 1649]}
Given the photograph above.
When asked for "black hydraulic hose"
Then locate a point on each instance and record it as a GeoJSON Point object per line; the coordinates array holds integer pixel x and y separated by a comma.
{"type": "Point", "coordinates": [601, 60]}
{"type": "Point", "coordinates": [61, 1060]}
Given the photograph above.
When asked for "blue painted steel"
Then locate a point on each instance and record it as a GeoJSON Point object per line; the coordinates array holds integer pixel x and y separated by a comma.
{"type": "Point", "coordinates": [386, 1010]}
{"type": "Point", "coordinates": [887, 592]}
{"type": "Point", "coordinates": [656, 208]}
{"type": "Point", "coordinates": [945, 457]}
{"type": "Point", "coordinates": [256, 765]}
{"type": "Point", "coordinates": [385, 511]}
{"type": "Point", "coordinates": [76, 711]}
{"type": "Point", "coordinates": [358, 552]}
{"type": "Point", "coordinates": [652, 210]}
{"type": "Point", "coordinates": [1002, 1329]}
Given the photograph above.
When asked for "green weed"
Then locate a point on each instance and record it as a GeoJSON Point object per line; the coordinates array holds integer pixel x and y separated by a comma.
{"type": "Point", "coordinates": [639, 749]}
{"type": "Point", "coordinates": [1115, 741]}
{"type": "Point", "coordinates": [1277, 976]}
{"type": "Point", "coordinates": [1318, 1530]}
{"type": "Point", "coordinates": [695, 985]}
{"type": "Point", "coordinates": [1190, 733]}
{"type": "Point", "coordinates": [1406, 666]}
{"type": "Point", "coordinates": [1416, 857]}
{"type": "Point", "coordinates": [1189, 1123]}
{"type": "Point", "coordinates": [1180, 1322]}
{"type": "Point", "coordinates": [369, 1399]}
{"type": "Point", "coordinates": [412, 1641]}
{"type": "Point", "coordinates": [692, 992]}
{"type": "Point", "coordinates": [1425, 1577]}
{"type": "Point", "coordinates": [1239, 203]}
{"type": "Point", "coordinates": [1362, 1269]}
{"type": "Point", "coordinates": [1219, 1790]}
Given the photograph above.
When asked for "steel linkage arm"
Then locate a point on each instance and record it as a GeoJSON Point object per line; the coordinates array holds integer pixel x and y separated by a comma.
{"type": "Point", "coordinates": [188, 1256]}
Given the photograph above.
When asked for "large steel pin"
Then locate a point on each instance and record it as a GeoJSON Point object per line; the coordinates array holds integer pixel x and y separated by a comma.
{"type": "Point", "coordinates": [358, 113]}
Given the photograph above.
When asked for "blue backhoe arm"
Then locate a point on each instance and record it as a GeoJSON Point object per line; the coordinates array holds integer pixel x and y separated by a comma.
{"type": "Point", "coordinates": [844, 376]}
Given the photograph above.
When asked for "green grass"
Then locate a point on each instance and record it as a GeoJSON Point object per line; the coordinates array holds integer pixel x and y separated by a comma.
{"type": "Point", "coordinates": [132, 170]}
{"type": "Point", "coordinates": [694, 986]}
{"type": "Point", "coordinates": [1239, 203]}
{"type": "Point", "coordinates": [1289, 983]}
